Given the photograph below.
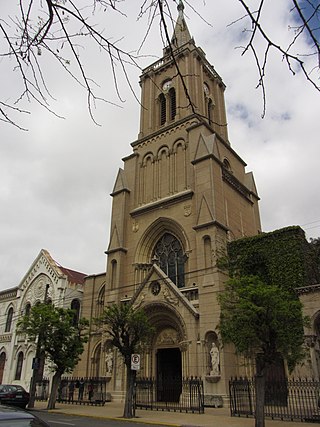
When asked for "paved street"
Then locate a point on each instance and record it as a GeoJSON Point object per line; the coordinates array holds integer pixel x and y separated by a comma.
{"type": "Point", "coordinates": [112, 412]}
{"type": "Point", "coordinates": [56, 420]}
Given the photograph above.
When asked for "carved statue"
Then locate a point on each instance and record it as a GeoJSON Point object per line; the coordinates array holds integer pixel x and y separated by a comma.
{"type": "Point", "coordinates": [215, 360]}
{"type": "Point", "coordinates": [109, 362]}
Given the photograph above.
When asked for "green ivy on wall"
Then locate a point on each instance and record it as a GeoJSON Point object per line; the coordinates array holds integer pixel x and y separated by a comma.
{"type": "Point", "coordinates": [280, 257]}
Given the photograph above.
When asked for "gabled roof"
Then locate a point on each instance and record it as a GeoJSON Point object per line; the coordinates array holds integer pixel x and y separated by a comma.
{"type": "Point", "coordinates": [55, 270]}
{"type": "Point", "coordinates": [74, 276]}
{"type": "Point", "coordinates": [167, 293]}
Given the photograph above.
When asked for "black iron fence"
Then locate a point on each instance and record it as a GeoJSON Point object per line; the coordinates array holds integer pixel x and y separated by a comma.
{"type": "Point", "coordinates": [90, 391]}
{"type": "Point", "coordinates": [293, 399]}
{"type": "Point", "coordinates": [184, 395]}
{"type": "Point", "coordinates": [42, 389]}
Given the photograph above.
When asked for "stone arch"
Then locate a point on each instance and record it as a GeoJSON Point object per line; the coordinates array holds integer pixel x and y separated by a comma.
{"type": "Point", "coordinates": [96, 360]}
{"type": "Point", "coordinates": [162, 316]}
{"type": "Point", "coordinates": [163, 149]}
{"type": "Point", "coordinates": [179, 166]}
{"type": "Point", "coordinates": [168, 347]}
{"type": "Point", "coordinates": [163, 172]}
{"type": "Point", "coordinates": [147, 177]}
{"type": "Point", "coordinates": [180, 142]}
{"type": "Point", "coordinates": [100, 300]}
{"type": "Point", "coordinates": [9, 318]}
{"type": "Point", "coordinates": [153, 233]}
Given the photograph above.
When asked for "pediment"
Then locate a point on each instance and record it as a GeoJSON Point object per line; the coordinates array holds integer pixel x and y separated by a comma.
{"type": "Point", "coordinates": [121, 183]}
{"type": "Point", "coordinates": [207, 145]}
{"type": "Point", "coordinates": [157, 287]}
{"type": "Point", "coordinates": [43, 264]}
{"type": "Point", "coordinates": [115, 239]}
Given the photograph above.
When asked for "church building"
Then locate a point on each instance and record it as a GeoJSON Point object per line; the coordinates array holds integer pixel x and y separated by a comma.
{"type": "Point", "coordinates": [182, 194]}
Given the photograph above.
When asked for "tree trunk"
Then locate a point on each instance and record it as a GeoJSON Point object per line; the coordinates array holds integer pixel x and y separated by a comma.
{"type": "Point", "coordinates": [260, 394]}
{"type": "Point", "coordinates": [54, 389]}
{"type": "Point", "coordinates": [129, 402]}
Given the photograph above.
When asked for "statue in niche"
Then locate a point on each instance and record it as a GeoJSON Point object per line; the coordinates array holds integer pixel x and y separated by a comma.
{"type": "Point", "coordinates": [214, 360]}
{"type": "Point", "coordinates": [109, 362]}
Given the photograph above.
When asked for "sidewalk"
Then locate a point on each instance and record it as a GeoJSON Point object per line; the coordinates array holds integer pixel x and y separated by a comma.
{"type": "Point", "coordinates": [211, 418]}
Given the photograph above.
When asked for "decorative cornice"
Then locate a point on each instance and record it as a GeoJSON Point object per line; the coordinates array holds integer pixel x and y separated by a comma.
{"type": "Point", "coordinates": [119, 249]}
{"type": "Point", "coordinates": [210, 224]}
{"type": "Point", "coordinates": [164, 202]}
{"type": "Point", "coordinates": [9, 294]}
{"type": "Point", "coordinates": [5, 337]}
{"type": "Point", "coordinates": [236, 184]}
{"type": "Point", "coordinates": [164, 132]}
{"type": "Point", "coordinates": [308, 289]}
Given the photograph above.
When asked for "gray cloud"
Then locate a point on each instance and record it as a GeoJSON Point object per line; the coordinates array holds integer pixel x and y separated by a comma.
{"type": "Point", "coordinates": [55, 179]}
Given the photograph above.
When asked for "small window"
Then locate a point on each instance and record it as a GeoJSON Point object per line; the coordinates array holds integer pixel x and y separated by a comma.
{"type": "Point", "coordinates": [114, 267]}
{"type": "Point", "coordinates": [210, 111]}
{"type": "Point", "coordinates": [100, 302]}
{"type": "Point", "coordinates": [27, 309]}
{"type": "Point", "coordinates": [173, 105]}
{"type": "Point", "coordinates": [226, 164]}
{"type": "Point", "coordinates": [75, 305]}
{"type": "Point", "coordinates": [163, 111]}
{"type": "Point", "coordinates": [9, 320]}
{"type": "Point", "coordinates": [19, 366]}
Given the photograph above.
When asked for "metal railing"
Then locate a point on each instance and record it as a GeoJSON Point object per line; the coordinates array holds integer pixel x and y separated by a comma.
{"type": "Point", "coordinates": [292, 399]}
{"type": "Point", "coordinates": [42, 389]}
{"type": "Point", "coordinates": [81, 391]}
{"type": "Point", "coordinates": [185, 395]}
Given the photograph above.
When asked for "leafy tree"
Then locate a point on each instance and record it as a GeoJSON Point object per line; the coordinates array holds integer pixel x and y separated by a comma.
{"type": "Point", "coordinates": [263, 322]}
{"type": "Point", "coordinates": [61, 339]}
{"type": "Point", "coordinates": [129, 330]}
{"type": "Point", "coordinates": [33, 32]}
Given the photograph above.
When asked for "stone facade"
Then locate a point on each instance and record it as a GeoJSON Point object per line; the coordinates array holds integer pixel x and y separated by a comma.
{"type": "Point", "coordinates": [181, 195]}
{"type": "Point", "coordinates": [45, 279]}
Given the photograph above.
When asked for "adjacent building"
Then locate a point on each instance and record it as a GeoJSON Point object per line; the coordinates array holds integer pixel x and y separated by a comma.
{"type": "Point", "coordinates": [46, 280]}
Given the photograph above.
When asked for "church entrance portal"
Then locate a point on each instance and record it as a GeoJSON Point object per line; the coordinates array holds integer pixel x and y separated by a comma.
{"type": "Point", "coordinates": [169, 375]}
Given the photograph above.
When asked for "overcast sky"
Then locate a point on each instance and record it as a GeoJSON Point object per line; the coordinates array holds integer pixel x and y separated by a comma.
{"type": "Point", "coordinates": [56, 179]}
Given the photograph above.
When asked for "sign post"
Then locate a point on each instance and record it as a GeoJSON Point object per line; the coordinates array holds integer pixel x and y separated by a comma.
{"type": "Point", "coordinates": [135, 362]}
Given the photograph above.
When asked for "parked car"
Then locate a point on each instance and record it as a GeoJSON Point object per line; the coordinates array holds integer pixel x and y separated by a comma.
{"type": "Point", "coordinates": [14, 417]}
{"type": "Point", "coordinates": [14, 395]}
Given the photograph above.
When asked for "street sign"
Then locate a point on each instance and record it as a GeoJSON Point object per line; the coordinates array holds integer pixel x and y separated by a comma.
{"type": "Point", "coordinates": [135, 362]}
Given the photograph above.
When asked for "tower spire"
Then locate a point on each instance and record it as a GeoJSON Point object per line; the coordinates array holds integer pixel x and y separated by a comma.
{"type": "Point", "coordinates": [181, 33]}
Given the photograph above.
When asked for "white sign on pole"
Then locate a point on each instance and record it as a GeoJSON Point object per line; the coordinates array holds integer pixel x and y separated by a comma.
{"type": "Point", "coordinates": [135, 362]}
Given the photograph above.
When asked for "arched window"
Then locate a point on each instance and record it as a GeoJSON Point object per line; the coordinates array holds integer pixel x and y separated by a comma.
{"type": "Point", "coordinates": [207, 251]}
{"type": "Point", "coordinates": [19, 366]}
{"type": "Point", "coordinates": [169, 253]}
{"type": "Point", "coordinates": [95, 365]}
{"type": "Point", "coordinates": [75, 305]}
{"type": "Point", "coordinates": [114, 266]}
{"type": "Point", "coordinates": [27, 309]}
{"type": "Point", "coordinates": [9, 320]}
{"type": "Point", "coordinates": [163, 109]}
{"type": "Point", "coordinates": [210, 111]}
{"type": "Point", "coordinates": [172, 103]}
{"type": "Point", "coordinates": [2, 364]}
{"type": "Point", "coordinates": [100, 302]}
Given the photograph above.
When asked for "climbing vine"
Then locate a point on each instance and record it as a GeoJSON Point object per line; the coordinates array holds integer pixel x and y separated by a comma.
{"type": "Point", "coordinates": [280, 257]}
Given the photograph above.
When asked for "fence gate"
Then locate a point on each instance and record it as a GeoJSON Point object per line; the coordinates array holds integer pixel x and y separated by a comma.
{"type": "Point", "coordinates": [291, 399]}
{"type": "Point", "coordinates": [190, 398]}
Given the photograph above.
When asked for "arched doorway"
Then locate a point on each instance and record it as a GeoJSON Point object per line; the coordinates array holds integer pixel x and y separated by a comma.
{"type": "Point", "coordinates": [169, 374]}
{"type": "Point", "coordinates": [166, 362]}
{"type": "Point", "coordinates": [2, 364]}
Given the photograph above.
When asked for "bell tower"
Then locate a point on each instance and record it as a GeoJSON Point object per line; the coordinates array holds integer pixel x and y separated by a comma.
{"type": "Point", "coordinates": [180, 85]}
{"type": "Point", "coordinates": [181, 195]}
